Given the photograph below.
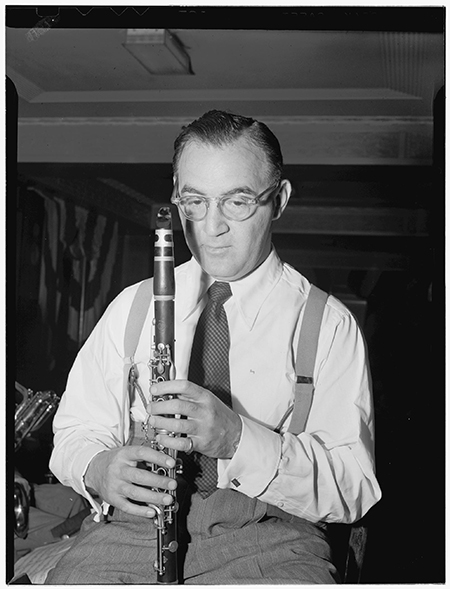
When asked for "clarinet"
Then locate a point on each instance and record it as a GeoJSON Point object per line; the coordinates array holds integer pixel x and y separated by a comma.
{"type": "Point", "coordinates": [161, 369]}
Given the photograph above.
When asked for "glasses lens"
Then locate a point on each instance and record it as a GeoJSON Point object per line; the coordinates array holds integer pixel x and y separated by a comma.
{"type": "Point", "coordinates": [193, 208]}
{"type": "Point", "coordinates": [237, 208]}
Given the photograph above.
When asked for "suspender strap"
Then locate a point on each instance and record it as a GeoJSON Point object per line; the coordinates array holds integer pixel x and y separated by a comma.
{"type": "Point", "coordinates": [136, 317]}
{"type": "Point", "coordinates": [306, 357]}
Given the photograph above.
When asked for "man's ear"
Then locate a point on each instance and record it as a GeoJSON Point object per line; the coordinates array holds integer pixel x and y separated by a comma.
{"type": "Point", "coordinates": [282, 199]}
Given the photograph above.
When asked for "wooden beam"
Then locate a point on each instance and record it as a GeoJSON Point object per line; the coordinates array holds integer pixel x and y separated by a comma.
{"type": "Point", "coordinates": [323, 258]}
{"type": "Point", "coordinates": [344, 220]}
{"type": "Point", "coordinates": [300, 219]}
{"type": "Point", "coordinates": [352, 220]}
{"type": "Point", "coordinates": [305, 140]}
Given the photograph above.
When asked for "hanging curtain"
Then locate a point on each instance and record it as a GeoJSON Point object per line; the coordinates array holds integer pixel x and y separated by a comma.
{"type": "Point", "coordinates": [78, 272]}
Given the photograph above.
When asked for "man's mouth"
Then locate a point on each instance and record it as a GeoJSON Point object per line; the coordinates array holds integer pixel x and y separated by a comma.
{"type": "Point", "coordinates": [215, 249]}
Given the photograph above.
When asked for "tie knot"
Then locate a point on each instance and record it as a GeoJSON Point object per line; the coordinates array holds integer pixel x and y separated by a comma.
{"type": "Point", "coordinates": [219, 292]}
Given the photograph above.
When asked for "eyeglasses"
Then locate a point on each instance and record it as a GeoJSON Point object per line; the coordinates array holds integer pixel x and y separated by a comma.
{"type": "Point", "coordinates": [236, 207]}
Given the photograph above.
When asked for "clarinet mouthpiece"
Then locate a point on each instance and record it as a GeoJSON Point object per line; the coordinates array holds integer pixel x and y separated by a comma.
{"type": "Point", "coordinates": [164, 218]}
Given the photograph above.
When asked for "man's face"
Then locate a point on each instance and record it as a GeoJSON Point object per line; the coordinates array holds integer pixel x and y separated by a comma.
{"type": "Point", "coordinates": [226, 250]}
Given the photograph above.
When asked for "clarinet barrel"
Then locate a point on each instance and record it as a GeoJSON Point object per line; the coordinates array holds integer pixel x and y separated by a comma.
{"type": "Point", "coordinates": [162, 368]}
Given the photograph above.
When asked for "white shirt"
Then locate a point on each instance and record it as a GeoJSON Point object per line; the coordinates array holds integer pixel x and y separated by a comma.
{"type": "Point", "coordinates": [325, 473]}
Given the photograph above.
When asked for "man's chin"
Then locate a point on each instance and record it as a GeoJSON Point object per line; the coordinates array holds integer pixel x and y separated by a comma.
{"type": "Point", "coordinates": [218, 269]}
{"type": "Point", "coordinates": [219, 273]}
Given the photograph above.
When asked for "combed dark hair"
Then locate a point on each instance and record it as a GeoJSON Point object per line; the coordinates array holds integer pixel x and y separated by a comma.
{"type": "Point", "coordinates": [219, 128]}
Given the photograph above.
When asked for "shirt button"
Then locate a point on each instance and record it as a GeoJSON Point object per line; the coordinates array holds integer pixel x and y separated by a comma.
{"type": "Point", "coordinates": [280, 504]}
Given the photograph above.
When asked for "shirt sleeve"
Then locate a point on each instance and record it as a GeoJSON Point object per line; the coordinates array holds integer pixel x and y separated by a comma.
{"type": "Point", "coordinates": [327, 472]}
{"type": "Point", "coordinates": [93, 414]}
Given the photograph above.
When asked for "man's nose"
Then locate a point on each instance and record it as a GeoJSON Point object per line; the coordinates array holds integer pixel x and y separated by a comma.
{"type": "Point", "coordinates": [215, 222]}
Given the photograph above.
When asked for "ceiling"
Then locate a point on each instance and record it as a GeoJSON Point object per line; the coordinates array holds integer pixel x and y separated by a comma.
{"type": "Point", "coordinates": [334, 97]}
{"type": "Point", "coordinates": [92, 66]}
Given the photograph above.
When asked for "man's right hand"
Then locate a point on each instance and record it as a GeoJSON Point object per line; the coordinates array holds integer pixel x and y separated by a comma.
{"type": "Point", "coordinates": [115, 476]}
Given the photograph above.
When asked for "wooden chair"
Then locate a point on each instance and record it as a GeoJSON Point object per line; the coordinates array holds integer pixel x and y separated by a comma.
{"type": "Point", "coordinates": [349, 546]}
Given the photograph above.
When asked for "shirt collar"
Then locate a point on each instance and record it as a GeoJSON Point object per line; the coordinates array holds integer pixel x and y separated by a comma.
{"type": "Point", "coordinates": [249, 293]}
{"type": "Point", "coordinates": [196, 282]}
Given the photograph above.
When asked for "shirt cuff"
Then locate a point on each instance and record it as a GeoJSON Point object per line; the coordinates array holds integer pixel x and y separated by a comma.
{"type": "Point", "coordinates": [255, 462]}
{"type": "Point", "coordinates": [80, 465]}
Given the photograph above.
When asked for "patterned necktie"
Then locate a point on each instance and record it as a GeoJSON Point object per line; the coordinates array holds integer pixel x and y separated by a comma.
{"type": "Point", "coordinates": [209, 368]}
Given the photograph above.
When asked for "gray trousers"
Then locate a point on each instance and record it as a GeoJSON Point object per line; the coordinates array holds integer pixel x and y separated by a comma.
{"type": "Point", "coordinates": [231, 539]}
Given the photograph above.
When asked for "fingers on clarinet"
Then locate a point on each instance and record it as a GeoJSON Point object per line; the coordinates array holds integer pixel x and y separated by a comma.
{"type": "Point", "coordinates": [178, 426]}
{"type": "Point", "coordinates": [136, 497]}
{"type": "Point", "coordinates": [174, 443]}
{"type": "Point", "coordinates": [151, 456]}
{"type": "Point", "coordinates": [182, 444]}
{"type": "Point", "coordinates": [142, 481]}
{"type": "Point", "coordinates": [139, 510]}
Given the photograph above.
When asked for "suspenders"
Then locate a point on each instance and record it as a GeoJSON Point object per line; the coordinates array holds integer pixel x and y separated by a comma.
{"type": "Point", "coordinates": [136, 317]}
{"type": "Point", "coordinates": [305, 359]}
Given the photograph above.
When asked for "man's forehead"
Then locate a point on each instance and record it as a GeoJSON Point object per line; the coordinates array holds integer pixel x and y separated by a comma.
{"type": "Point", "coordinates": [243, 142]}
{"type": "Point", "coordinates": [240, 153]}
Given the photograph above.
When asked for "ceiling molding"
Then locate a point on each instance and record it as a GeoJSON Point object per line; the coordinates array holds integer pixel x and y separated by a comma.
{"type": "Point", "coordinates": [304, 140]}
{"type": "Point", "coordinates": [222, 94]}
{"type": "Point", "coordinates": [364, 121]}
{"type": "Point", "coordinates": [404, 57]}
{"type": "Point", "coordinates": [25, 88]}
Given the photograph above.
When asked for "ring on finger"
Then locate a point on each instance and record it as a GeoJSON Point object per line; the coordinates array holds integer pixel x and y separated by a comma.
{"type": "Point", "coordinates": [191, 446]}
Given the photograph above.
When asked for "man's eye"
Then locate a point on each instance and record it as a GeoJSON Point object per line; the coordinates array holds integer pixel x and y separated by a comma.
{"type": "Point", "coordinates": [192, 201]}
{"type": "Point", "coordinates": [237, 202]}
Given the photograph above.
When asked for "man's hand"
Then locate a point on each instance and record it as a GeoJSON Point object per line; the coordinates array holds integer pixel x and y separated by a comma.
{"type": "Point", "coordinates": [213, 427]}
{"type": "Point", "coordinates": [114, 475]}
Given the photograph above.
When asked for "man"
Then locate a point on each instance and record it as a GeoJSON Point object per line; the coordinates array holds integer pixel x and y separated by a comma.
{"type": "Point", "coordinates": [275, 491]}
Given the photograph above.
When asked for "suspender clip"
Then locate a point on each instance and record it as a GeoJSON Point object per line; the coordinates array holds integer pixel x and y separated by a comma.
{"type": "Point", "coordinates": [304, 379]}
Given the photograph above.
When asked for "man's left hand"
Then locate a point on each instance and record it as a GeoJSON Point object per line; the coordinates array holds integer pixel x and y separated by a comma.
{"type": "Point", "coordinates": [213, 427]}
